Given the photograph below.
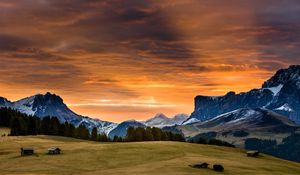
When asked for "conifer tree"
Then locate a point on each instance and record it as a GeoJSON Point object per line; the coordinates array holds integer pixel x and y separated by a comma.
{"type": "Point", "coordinates": [94, 134]}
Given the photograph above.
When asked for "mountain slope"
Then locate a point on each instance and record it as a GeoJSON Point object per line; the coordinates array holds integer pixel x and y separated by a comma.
{"type": "Point", "coordinates": [237, 126]}
{"type": "Point", "coordinates": [281, 93]}
{"type": "Point", "coordinates": [52, 105]}
{"type": "Point", "coordinates": [160, 120]}
{"type": "Point", "coordinates": [121, 129]}
{"type": "Point", "coordinates": [4, 102]}
{"type": "Point", "coordinates": [249, 119]}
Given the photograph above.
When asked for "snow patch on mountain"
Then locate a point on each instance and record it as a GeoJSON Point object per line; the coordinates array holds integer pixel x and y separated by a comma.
{"type": "Point", "coordinates": [25, 105]}
{"type": "Point", "coordinates": [237, 115]}
{"type": "Point", "coordinates": [285, 107]}
{"type": "Point", "coordinates": [275, 89]}
{"type": "Point", "coordinates": [190, 121]}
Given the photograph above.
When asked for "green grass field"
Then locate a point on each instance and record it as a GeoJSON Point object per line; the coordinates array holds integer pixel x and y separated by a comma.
{"type": "Point", "coordinates": [84, 157]}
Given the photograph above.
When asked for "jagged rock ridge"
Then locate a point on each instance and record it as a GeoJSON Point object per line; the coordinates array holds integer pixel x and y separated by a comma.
{"type": "Point", "coordinates": [281, 93]}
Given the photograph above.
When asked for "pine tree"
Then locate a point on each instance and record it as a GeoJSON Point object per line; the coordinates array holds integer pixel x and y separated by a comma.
{"type": "Point", "coordinates": [148, 134]}
{"type": "Point", "coordinates": [32, 126]}
{"type": "Point", "coordinates": [131, 137]}
{"type": "Point", "coordinates": [15, 127]}
{"type": "Point", "coordinates": [156, 132]}
{"type": "Point", "coordinates": [139, 134]}
{"type": "Point", "coordinates": [94, 135]}
{"type": "Point", "coordinates": [82, 132]}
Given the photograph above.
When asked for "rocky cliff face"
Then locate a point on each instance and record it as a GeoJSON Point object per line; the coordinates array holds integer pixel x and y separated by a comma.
{"type": "Point", "coordinates": [281, 93]}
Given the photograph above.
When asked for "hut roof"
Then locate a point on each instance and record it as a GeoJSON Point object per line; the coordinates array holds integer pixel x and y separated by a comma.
{"type": "Point", "coordinates": [252, 152]}
{"type": "Point", "coordinates": [53, 149]}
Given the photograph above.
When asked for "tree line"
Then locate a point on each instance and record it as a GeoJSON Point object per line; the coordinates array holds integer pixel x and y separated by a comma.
{"type": "Point", "coordinates": [287, 149]}
{"type": "Point", "coordinates": [21, 124]}
{"type": "Point", "coordinates": [151, 134]}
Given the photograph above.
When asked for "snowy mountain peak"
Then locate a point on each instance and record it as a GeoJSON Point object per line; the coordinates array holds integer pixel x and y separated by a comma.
{"type": "Point", "coordinates": [49, 104]}
{"type": "Point", "coordinates": [283, 76]}
{"type": "Point", "coordinates": [160, 116]}
{"type": "Point", "coordinates": [181, 116]}
{"type": "Point", "coordinates": [4, 102]}
{"type": "Point", "coordinates": [160, 120]}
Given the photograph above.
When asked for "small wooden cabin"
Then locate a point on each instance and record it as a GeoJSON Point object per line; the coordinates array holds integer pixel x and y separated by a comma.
{"type": "Point", "coordinates": [200, 165]}
{"type": "Point", "coordinates": [218, 167]}
{"type": "Point", "coordinates": [252, 153]}
{"type": "Point", "coordinates": [27, 151]}
{"type": "Point", "coordinates": [54, 150]}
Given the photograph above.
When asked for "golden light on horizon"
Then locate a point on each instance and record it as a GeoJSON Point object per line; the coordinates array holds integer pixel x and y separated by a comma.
{"type": "Point", "coordinates": [117, 60]}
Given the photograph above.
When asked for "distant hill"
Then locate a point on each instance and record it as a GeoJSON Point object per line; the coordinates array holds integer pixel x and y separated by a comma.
{"type": "Point", "coordinates": [121, 129]}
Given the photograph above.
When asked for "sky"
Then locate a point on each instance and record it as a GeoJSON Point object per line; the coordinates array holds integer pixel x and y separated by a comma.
{"type": "Point", "coordinates": [117, 60]}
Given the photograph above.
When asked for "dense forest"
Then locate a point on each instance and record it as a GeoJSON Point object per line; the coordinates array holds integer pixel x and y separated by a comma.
{"type": "Point", "coordinates": [209, 138]}
{"type": "Point", "coordinates": [152, 134]}
{"type": "Point", "coordinates": [290, 144]}
{"type": "Point", "coordinates": [22, 124]}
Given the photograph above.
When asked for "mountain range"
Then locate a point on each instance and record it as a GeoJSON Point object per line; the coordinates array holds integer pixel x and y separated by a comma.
{"type": "Point", "coordinates": [52, 105]}
{"type": "Point", "coordinates": [281, 94]}
{"type": "Point", "coordinates": [265, 119]}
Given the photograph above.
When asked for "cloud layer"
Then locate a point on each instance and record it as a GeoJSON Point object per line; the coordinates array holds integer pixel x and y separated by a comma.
{"type": "Point", "coordinates": [128, 52]}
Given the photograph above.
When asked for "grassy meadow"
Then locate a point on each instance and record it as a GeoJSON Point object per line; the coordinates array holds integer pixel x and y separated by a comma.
{"type": "Point", "coordinates": [3, 131]}
{"type": "Point", "coordinates": [85, 157]}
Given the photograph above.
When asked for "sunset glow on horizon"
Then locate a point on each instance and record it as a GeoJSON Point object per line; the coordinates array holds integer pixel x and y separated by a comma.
{"type": "Point", "coordinates": [118, 60]}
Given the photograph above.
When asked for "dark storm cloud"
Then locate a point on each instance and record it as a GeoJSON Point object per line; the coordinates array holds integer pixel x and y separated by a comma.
{"type": "Point", "coordinates": [140, 25]}
{"type": "Point", "coordinates": [132, 15]}
{"type": "Point", "coordinates": [12, 43]}
{"type": "Point", "coordinates": [36, 54]}
{"type": "Point", "coordinates": [281, 39]}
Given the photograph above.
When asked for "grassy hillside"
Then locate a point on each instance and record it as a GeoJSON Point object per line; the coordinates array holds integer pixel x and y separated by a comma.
{"type": "Point", "coordinates": [4, 130]}
{"type": "Point", "coordinates": [83, 157]}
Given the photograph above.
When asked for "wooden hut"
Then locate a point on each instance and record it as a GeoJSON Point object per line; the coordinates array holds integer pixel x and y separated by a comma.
{"type": "Point", "coordinates": [200, 165]}
{"type": "Point", "coordinates": [54, 150]}
{"type": "Point", "coordinates": [218, 167]}
{"type": "Point", "coordinates": [27, 151]}
{"type": "Point", "coordinates": [252, 153]}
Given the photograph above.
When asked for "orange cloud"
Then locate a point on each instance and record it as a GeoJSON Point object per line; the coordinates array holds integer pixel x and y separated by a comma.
{"type": "Point", "coordinates": [124, 51]}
